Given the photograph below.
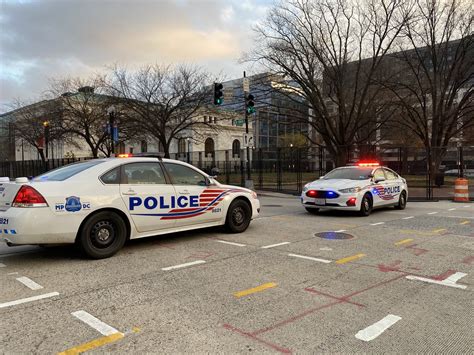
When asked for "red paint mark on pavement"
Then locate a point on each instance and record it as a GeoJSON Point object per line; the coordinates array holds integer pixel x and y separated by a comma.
{"type": "Point", "coordinates": [395, 266]}
{"type": "Point", "coordinates": [250, 335]}
{"type": "Point", "coordinates": [444, 275]}
{"type": "Point", "coordinates": [312, 290]}
{"type": "Point", "coordinates": [417, 251]}
{"type": "Point", "coordinates": [468, 260]}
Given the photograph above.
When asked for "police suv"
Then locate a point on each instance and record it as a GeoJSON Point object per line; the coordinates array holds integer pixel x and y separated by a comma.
{"type": "Point", "coordinates": [99, 204]}
{"type": "Point", "coordinates": [362, 187]}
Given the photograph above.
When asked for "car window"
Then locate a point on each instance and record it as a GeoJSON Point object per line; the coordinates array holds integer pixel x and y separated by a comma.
{"type": "Point", "coordinates": [111, 177]}
{"type": "Point", "coordinates": [183, 175]}
{"type": "Point", "coordinates": [379, 174]}
{"type": "Point", "coordinates": [67, 171]}
{"type": "Point", "coordinates": [390, 174]}
{"type": "Point", "coordinates": [143, 173]}
{"type": "Point", "coordinates": [355, 173]}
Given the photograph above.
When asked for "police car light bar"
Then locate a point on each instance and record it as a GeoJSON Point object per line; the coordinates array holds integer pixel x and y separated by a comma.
{"type": "Point", "coordinates": [125, 155]}
{"type": "Point", "coordinates": [364, 163]}
{"type": "Point", "coordinates": [158, 155]}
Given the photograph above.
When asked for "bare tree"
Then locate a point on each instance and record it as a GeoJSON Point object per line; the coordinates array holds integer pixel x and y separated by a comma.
{"type": "Point", "coordinates": [435, 64]}
{"type": "Point", "coordinates": [37, 124]}
{"type": "Point", "coordinates": [84, 108]}
{"type": "Point", "coordinates": [333, 51]}
{"type": "Point", "coordinates": [163, 102]}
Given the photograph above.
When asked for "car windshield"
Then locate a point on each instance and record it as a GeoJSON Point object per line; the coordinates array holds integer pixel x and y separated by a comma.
{"type": "Point", "coordinates": [67, 171]}
{"type": "Point", "coordinates": [349, 173]}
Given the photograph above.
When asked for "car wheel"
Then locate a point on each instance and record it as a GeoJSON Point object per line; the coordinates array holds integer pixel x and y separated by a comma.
{"type": "Point", "coordinates": [402, 201]}
{"type": "Point", "coordinates": [312, 210]}
{"type": "Point", "coordinates": [238, 217]}
{"type": "Point", "coordinates": [102, 235]}
{"type": "Point", "coordinates": [366, 205]}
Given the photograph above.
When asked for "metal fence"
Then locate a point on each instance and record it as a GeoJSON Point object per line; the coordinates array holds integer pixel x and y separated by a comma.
{"type": "Point", "coordinates": [289, 169]}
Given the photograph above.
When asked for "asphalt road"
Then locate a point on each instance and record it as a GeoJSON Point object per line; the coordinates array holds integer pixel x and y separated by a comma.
{"type": "Point", "coordinates": [402, 283]}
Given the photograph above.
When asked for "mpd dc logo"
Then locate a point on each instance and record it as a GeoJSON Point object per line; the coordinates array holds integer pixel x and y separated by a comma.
{"type": "Point", "coordinates": [73, 204]}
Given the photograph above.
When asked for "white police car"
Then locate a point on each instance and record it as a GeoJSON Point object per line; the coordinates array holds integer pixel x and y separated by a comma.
{"type": "Point", "coordinates": [101, 203]}
{"type": "Point", "coordinates": [356, 188]}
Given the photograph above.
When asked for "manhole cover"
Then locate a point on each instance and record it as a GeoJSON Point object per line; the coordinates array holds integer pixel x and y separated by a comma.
{"type": "Point", "coordinates": [333, 235]}
{"type": "Point", "coordinates": [272, 206]}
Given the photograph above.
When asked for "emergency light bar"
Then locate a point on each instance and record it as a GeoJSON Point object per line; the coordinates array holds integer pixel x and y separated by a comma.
{"type": "Point", "coordinates": [368, 164]}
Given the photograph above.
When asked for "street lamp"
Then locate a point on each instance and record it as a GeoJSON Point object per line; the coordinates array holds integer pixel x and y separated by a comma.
{"type": "Point", "coordinates": [111, 113]}
{"type": "Point", "coordinates": [46, 137]}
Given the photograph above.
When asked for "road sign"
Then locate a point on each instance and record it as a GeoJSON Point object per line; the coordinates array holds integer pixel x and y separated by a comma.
{"type": "Point", "coordinates": [239, 122]}
{"type": "Point", "coordinates": [248, 140]}
{"type": "Point", "coordinates": [246, 83]}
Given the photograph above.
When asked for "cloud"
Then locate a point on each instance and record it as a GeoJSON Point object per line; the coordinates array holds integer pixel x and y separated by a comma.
{"type": "Point", "coordinates": [42, 39]}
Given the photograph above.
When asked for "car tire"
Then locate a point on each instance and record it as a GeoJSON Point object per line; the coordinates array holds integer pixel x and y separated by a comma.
{"type": "Point", "coordinates": [366, 206]}
{"type": "Point", "coordinates": [402, 201]}
{"type": "Point", "coordinates": [238, 217]}
{"type": "Point", "coordinates": [312, 210]}
{"type": "Point", "coordinates": [102, 235]}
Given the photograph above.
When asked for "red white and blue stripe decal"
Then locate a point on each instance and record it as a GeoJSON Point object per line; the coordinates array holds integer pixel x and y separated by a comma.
{"type": "Point", "coordinates": [208, 199]}
{"type": "Point", "coordinates": [380, 191]}
{"type": "Point", "coordinates": [8, 231]}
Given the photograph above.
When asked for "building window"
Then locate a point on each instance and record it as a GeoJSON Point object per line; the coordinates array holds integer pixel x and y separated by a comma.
{"type": "Point", "coordinates": [209, 147]}
{"type": "Point", "coordinates": [236, 148]}
{"type": "Point", "coordinates": [181, 146]}
{"type": "Point", "coordinates": [215, 119]}
{"type": "Point", "coordinates": [205, 119]}
{"type": "Point", "coordinates": [144, 146]}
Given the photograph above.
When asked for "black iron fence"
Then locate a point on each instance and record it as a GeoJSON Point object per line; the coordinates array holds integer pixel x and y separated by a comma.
{"type": "Point", "coordinates": [289, 169]}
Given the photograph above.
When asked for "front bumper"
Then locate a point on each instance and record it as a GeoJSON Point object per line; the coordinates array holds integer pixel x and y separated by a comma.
{"type": "Point", "coordinates": [339, 203]}
{"type": "Point", "coordinates": [35, 226]}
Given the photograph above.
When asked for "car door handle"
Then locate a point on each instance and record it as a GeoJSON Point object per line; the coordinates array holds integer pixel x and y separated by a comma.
{"type": "Point", "coordinates": [129, 192]}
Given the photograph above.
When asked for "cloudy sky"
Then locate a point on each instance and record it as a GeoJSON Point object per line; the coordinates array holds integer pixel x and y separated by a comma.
{"type": "Point", "coordinates": [45, 39]}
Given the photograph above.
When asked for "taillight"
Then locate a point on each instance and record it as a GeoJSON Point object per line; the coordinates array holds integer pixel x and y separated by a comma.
{"type": "Point", "coordinates": [312, 193]}
{"type": "Point", "coordinates": [28, 197]}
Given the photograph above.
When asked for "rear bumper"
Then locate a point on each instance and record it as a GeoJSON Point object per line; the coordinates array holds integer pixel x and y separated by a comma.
{"type": "Point", "coordinates": [35, 226]}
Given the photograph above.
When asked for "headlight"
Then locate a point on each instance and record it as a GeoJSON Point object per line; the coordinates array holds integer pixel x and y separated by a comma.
{"type": "Point", "coordinates": [350, 190]}
{"type": "Point", "coordinates": [306, 187]}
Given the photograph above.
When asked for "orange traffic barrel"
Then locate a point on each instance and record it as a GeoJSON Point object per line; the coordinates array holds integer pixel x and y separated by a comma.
{"type": "Point", "coordinates": [461, 192]}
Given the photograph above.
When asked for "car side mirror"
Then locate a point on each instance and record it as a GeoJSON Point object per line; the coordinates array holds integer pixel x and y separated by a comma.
{"type": "Point", "coordinates": [380, 179]}
{"type": "Point", "coordinates": [321, 177]}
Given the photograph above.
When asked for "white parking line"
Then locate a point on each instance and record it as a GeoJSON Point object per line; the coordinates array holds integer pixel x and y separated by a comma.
{"type": "Point", "coordinates": [275, 245]}
{"type": "Point", "coordinates": [12, 273]}
{"type": "Point", "coordinates": [29, 299]}
{"type": "Point", "coordinates": [2, 265]}
{"type": "Point", "coordinates": [433, 213]}
{"type": "Point", "coordinates": [377, 224]}
{"type": "Point", "coordinates": [230, 243]}
{"type": "Point", "coordinates": [310, 258]}
{"type": "Point", "coordinates": [95, 323]}
{"type": "Point", "coordinates": [29, 283]}
{"type": "Point", "coordinates": [408, 217]}
{"type": "Point", "coordinates": [374, 330]}
{"type": "Point", "coordinates": [466, 206]}
{"type": "Point", "coordinates": [452, 209]}
{"type": "Point", "coordinates": [197, 262]}
{"type": "Point", "coordinates": [340, 231]}
{"type": "Point", "coordinates": [325, 248]}
{"type": "Point", "coordinates": [450, 281]}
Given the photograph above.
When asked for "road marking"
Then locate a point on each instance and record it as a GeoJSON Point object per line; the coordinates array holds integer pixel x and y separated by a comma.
{"type": "Point", "coordinates": [340, 231]}
{"type": "Point", "coordinates": [230, 243]}
{"type": "Point", "coordinates": [433, 213]}
{"type": "Point", "coordinates": [403, 241]}
{"type": "Point", "coordinates": [377, 224]}
{"type": "Point", "coordinates": [452, 209]}
{"type": "Point", "coordinates": [275, 245]}
{"type": "Point", "coordinates": [349, 258]}
{"type": "Point", "coordinates": [408, 217]}
{"type": "Point", "coordinates": [12, 273]}
{"type": "Point", "coordinates": [466, 206]}
{"type": "Point", "coordinates": [2, 265]}
{"type": "Point", "coordinates": [465, 222]}
{"type": "Point", "coordinates": [450, 281]}
{"type": "Point", "coordinates": [439, 230]}
{"type": "Point", "coordinates": [255, 289]}
{"type": "Point", "coordinates": [374, 330]}
{"type": "Point", "coordinates": [93, 344]}
{"type": "Point", "coordinates": [310, 258]}
{"type": "Point", "coordinates": [28, 299]}
{"type": "Point", "coordinates": [197, 262]}
{"type": "Point", "coordinates": [95, 323]}
{"type": "Point", "coordinates": [29, 283]}
{"type": "Point", "coordinates": [325, 248]}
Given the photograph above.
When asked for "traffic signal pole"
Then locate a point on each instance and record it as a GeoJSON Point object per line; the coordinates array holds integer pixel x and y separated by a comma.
{"type": "Point", "coordinates": [247, 132]}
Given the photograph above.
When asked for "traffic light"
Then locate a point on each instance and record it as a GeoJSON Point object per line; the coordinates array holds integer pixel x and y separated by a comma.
{"type": "Point", "coordinates": [250, 104]}
{"type": "Point", "coordinates": [218, 94]}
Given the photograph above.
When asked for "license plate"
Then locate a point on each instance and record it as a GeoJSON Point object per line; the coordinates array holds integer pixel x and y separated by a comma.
{"type": "Point", "coordinates": [320, 201]}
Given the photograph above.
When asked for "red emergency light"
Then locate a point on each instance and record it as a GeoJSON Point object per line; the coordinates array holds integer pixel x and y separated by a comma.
{"type": "Point", "coordinates": [368, 163]}
{"type": "Point", "coordinates": [125, 155]}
